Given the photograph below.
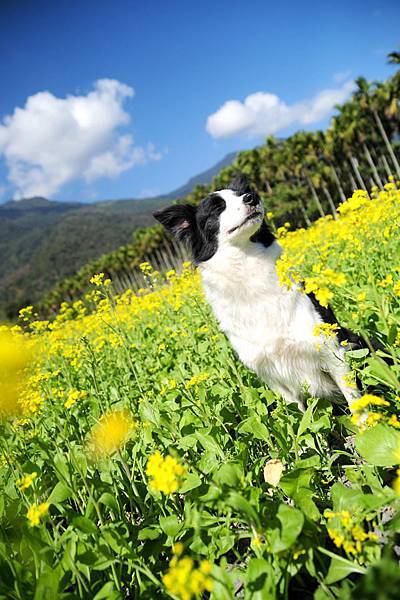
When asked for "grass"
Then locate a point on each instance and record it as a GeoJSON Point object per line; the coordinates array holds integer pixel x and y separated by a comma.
{"type": "Point", "coordinates": [146, 462]}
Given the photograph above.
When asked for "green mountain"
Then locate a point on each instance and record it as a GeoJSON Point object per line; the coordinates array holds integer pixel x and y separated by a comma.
{"type": "Point", "coordinates": [43, 241]}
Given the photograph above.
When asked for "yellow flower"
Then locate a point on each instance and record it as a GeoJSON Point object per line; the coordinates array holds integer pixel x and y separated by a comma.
{"type": "Point", "coordinates": [97, 279]}
{"type": "Point", "coordinates": [326, 329]}
{"type": "Point", "coordinates": [26, 481]}
{"type": "Point", "coordinates": [394, 421]}
{"type": "Point", "coordinates": [298, 552]}
{"type": "Point", "coordinates": [165, 473]}
{"type": "Point", "coordinates": [367, 400]}
{"type": "Point", "coordinates": [396, 483]}
{"type": "Point", "coordinates": [35, 512]}
{"type": "Point", "coordinates": [26, 314]}
{"type": "Point", "coordinates": [178, 548]}
{"type": "Point", "coordinates": [16, 356]}
{"type": "Point", "coordinates": [111, 433]}
{"type": "Point", "coordinates": [73, 397]}
{"type": "Point", "coordinates": [336, 537]}
{"type": "Point", "coordinates": [185, 581]}
{"type": "Point", "coordinates": [196, 379]}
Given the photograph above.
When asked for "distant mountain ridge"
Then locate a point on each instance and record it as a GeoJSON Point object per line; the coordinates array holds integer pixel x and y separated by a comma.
{"type": "Point", "coordinates": [43, 241]}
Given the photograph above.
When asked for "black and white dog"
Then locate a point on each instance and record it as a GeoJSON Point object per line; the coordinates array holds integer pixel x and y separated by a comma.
{"type": "Point", "coordinates": [270, 327]}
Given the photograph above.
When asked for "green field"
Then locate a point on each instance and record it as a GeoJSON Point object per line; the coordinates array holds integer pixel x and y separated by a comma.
{"type": "Point", "coordinates": [140, 459]}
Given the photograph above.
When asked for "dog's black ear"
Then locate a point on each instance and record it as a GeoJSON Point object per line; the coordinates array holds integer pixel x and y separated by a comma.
{"type": "Point", "coordinates": [240, 185]}
{"type": "Point", "coordinates": [179, 219]}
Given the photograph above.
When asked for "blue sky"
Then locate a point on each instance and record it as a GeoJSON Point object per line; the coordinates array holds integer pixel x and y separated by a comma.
{"type": "Point", "coordinates": [184, 61]}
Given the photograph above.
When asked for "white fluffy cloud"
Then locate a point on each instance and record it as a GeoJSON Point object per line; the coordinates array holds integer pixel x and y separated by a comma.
{"type": "Point", "coordinates": [263, 113]}
{"type": "Point", "coordinates": [52, 141]}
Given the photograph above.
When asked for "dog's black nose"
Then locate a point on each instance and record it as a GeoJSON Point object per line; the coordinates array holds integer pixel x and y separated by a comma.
{"type": "Point", "coordinates": [251, 199]}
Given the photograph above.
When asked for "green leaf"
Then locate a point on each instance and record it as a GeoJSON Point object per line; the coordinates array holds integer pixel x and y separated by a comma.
{"type": "Point", "coordinates": [47, 585]}
{"type": "Point", "coordinates": [170, 525]}
{"type": "Point", "coordinates": [149, 533]}
{"type": "Point", "coordinates": [257, 429]}
{"type": "Point", "coordinates": [110, 501]}
{"type": "Point", "coordinates": [60, 493]}
{"type": "Point", "coordinates": [191, 482]}
{"type": "Point", "coordinates": [243, 506]}
{"type": "Point", "coordinates": [339, 569]}
{"type": "Point", "coordinates": [297, 485]}
{"type": "Point", "coordinates": [84, 524]}
{"type": "Point", "coordinates": [379, 445]}
{"type": "Point", "coordinates": [260, 580]}
{"type": "Point", "coordinates": [361, 353]}
{"type": "Point", "coordinates": [228, 474]}
{"type": "Point", "coordinates": [306, 418]}
{"type": "Point", "coordinates": [345, 498]}
{"type": "Point", "coordinates": [381, 372]}
{"type": "Point", "coordinates": [61, 466]}
{"type": "Point", "coordinates": [291, 523]}
{"type": "Point", "coordinates": [108, 592]}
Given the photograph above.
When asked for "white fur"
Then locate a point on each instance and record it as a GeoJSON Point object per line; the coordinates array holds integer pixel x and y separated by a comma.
{"type": "Point", "coordinates": [269, 326]}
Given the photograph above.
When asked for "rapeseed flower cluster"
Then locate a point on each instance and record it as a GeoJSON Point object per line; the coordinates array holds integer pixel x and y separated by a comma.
{"type": "Point", "coordinates": [195, 380]}
{"type": "Point", "coordinates": [36, 512]}
{"type": "Point", "coordinates": [165, 473]}
{"type": "Point", "coordinates": [16, 359]}
{"type": "Point", "coordinates": [346, 533]}
{"type": "Point", "coordinates": [26, 482]}
{"type": "Point", "coordinates": [184, 580]}
{"type": "Point", "coordinates": [111, 433]}
{"type": "Point", "coordinates": [362, 416]}
{"type": "Point", "coordinates": [328, 330]}
{"type": "Point", "coordinates": [310, 256]}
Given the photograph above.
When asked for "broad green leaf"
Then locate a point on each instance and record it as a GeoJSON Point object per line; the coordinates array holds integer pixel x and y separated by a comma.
{"type": "Point", "coordinates": [260, 584]}
{"type": "Point", "coordinates": [306, 418]}
{"type": "Point", "coordinates": [47, 585]}
{"type": "Point", "coordinates": [243, 506]}
{"type": "Point", "coordinates": [297, 485]}
{"type": "Point", "coordinates": [290, 522]}
{"type": "Point", "coordinates": [381, 372]}
{"type": "Point", "coordinates": [339, 569]}
{"type": "Point", "coordinates": [110, 501]}
{"type": "Point", "coordinates": [257, 429]}
{"type": "Point", "coordinates": [149, 533]}
{"type": "Point", "coordinates": [191, 482]}
{"type": "Point", "coordinates": [108, 592]}
{"type": "Point", "coordinates": [361, 353]}
{"type": "Point", "coordinates": [60, 493]}
{"type": "Point", "coordinates": [379, 445]}
{"type": "Point", "coordinates": [170, 525]}
{"type": "Point", "coordinates": [228, 474]}
{"type": "Point", "coordinates": [84, 524]}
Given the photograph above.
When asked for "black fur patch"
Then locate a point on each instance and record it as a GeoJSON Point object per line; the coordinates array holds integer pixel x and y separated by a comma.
{"type": "Point", "coordinates": [198, 227]}
{"type": "Point", "coordinates": [240, 185]}
{"type": "Point", "coordinates": [263, 236]}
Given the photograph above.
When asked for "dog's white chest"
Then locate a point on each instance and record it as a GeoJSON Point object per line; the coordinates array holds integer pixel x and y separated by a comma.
{"type": "Point", "coordinates": [270, 327]}
{"type": "Point", "coordinates": [252, 307]}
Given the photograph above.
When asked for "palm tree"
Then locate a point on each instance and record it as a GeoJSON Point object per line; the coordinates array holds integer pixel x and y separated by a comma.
{"type": "Point", "coordinates": [372, 103]}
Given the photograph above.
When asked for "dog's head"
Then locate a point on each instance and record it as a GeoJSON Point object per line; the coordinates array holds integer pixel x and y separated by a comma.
{"type": "Point", "coordinates": [232, 216]}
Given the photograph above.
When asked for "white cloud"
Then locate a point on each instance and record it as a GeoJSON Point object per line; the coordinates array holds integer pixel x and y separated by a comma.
{"type": "Point", "coordinates": [263, 113]}
{"type": "Point", "coordinates": [52, 141]}
{"type": "Point", "coordinates": [2, 190]}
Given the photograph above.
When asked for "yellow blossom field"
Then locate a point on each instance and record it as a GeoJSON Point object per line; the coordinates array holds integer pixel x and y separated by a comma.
{"type": "Point", "coordinates": [140, 459]}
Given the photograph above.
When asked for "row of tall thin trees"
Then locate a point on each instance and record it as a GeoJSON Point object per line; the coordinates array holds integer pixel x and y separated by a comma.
{"type": "Point", "coordinates": [307, 174]}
